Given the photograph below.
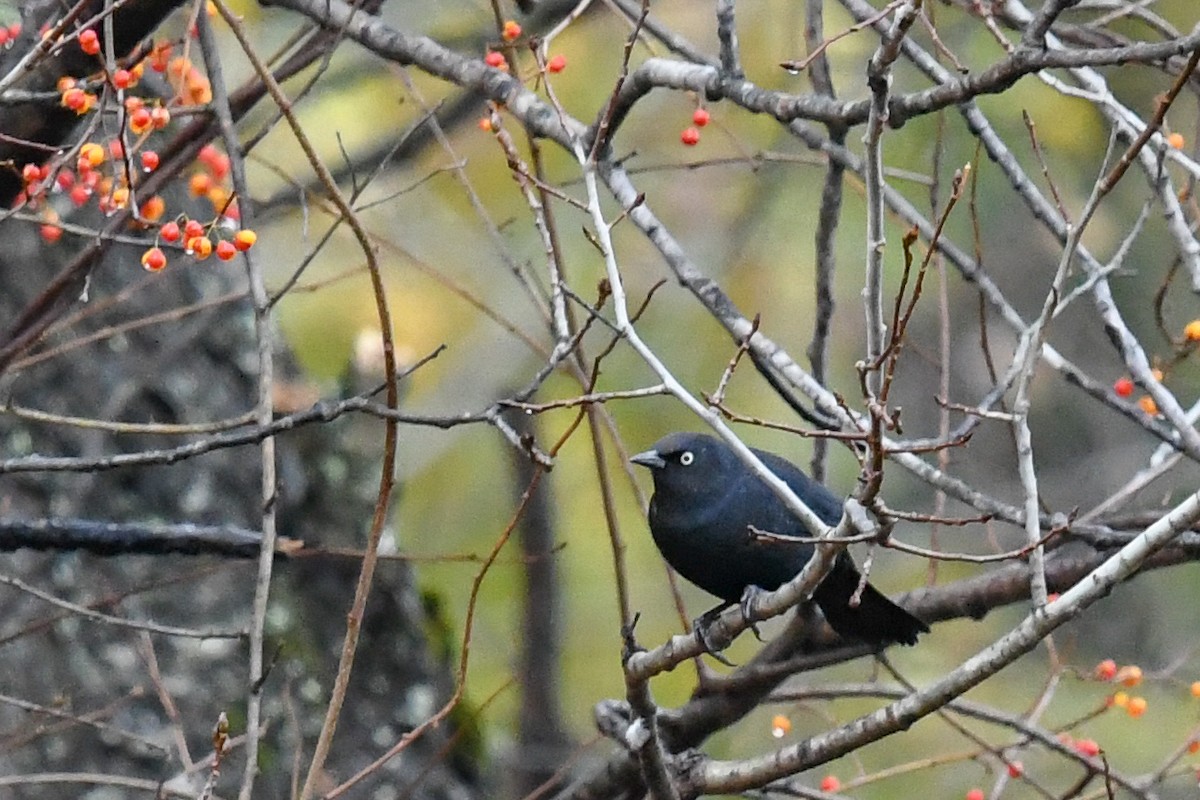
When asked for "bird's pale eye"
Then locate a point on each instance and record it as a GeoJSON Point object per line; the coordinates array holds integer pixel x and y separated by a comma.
{"type": "Point", "coordinates": [686, 458]}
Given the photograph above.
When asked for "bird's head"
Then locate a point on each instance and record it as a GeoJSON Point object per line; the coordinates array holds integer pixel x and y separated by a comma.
{"type": "Point", "coordinates": [686, 463]}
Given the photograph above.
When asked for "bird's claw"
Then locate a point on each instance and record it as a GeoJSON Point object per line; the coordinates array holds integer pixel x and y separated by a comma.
{"type": "Point", "coordinates": [746, 605]}
{"type": "Point", "coordinates": [703, 630]}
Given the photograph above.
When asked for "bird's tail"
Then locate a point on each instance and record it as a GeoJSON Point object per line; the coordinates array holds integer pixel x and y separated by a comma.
{"type": "Point", "coordinates": [875, 620]}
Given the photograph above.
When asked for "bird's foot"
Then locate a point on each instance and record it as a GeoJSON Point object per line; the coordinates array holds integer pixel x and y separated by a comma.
{"type": "Point", "coordinates": [629, 639]}
{"type": "Point", "coordinates": [749, 599]}
{"type": "Point", "coordinates": [714, 645]}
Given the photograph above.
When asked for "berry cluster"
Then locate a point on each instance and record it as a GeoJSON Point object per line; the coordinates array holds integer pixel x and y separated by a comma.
{"type": "Point", "coordinates": [1124, 386]}
{"type": "Point", "coordinates": [510, 32]}
{"type": "Point", "coordinates": [108, 170]}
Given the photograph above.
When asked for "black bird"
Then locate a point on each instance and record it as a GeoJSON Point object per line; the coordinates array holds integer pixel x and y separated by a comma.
{"type": "Point", "coordinates": [704, 501]}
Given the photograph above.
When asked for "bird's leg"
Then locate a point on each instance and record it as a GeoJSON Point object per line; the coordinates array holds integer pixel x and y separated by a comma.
{"type": "Point", "coordinates": [749, 599]}
{"type": "Point", "coordinates": [703, 629]}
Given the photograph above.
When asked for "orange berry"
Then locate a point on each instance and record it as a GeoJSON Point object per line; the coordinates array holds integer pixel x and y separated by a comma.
{"type": "Point", "coordinates": [64, 83]}
{"type": "Point", "coordinates": [780, 726]}
{"type": "Point", "coordinates": [1194, 746]}
{"type": "Point", "coordinates": [1129, 676]}
{"type": "Point", "coordinates": [154, 259]}
{"type": "Point", "coordinates": [219, 197]}
{"type": "Point", "coordinates": [153, 209]}
{"type": "Point", "coordinates": [1191, 331]}
{"type": "Point", "coordinates": [1136, 707]}
{"type": "Point", "coordinates": [199, 90]}
{"type": "Point", "coordinates": [89, 42]}
{"type": "Point", "coordinates": [485, 124]}
{"type": "Point", "coordinates": [1195, 689]}
{"type": "Point", "coordinates": [1157, 374]}
{"type": "Point", "coordinates": [92, 153]}
{"type": "Point", "coordinates": [133, 103]}
{"type": "Point", "coordinates": [119, 198]}
{"type": "Point", "coordinates": [226, 250]}
{"type": "Point", "coordinates": [700, 117]}
{"type": "Point", "coordinates": [170, 231]}
{"type": "Point", "coordinates": [495, 59]}
{"type": "Point", "coordinates": [1176, 140]}
{"type": "Point", "coordinates": [511, 30]}
{"type": "Point", "coordinates": [201, 247]}
{"type": "Point", "coordinates": [690, 137]}
{"type": "Point", "coordinates": [556, 64]}
{"type": "Point", "coordinates": [199, 184]}
{"type": "Point", "coordinates": [1106, 669]}
{"type": "Point", "coordinates": [1087, 747]}
{"type": "Point", "coordinates": [244, 239]}
{"type": "Point", "coordinates": [1147, 404]}
{"type": "Point", "coordinates": [830, 783]}
{"type": "Point", "coordinates": [1123, 387]}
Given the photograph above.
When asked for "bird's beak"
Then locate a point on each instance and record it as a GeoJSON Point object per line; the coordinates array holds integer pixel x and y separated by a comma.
{"type": "Point", "coordinates": [650, 459]}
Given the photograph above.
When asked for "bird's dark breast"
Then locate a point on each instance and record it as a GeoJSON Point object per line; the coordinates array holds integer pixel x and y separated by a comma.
{"type": "Point", "coordinates": [712, 546]}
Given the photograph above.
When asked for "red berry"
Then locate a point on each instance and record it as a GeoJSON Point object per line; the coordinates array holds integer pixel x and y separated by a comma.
{"type": "Point", "coordinates": [1106, 670]}
{"type": "Point", "coordinates": [690, 136]}
{"type": "Point", "coordinates": [495, 59]}
{"type": "Point", "coordinates": [1087, 747]}
{"type": "Point", "coordinates": [170, 232]}
{"type": "Point", "coordinates": [975, 794]}
{"type": "Point", "coordinates": [89, 42]}
{"type": "Point", "coordinates": [1123, 387]}
{"type": "Point", "coordinates": [192, 229]}
{"type": "Point", "coordinates": [154, 259]}
{"type": "Point", "coordinates": [122, 79]}
{"type": "Point", "coordinates": [51, 233]}
{"type": "Point", "coordinates": [1015, 769]}
{"type": "Point", "coordinates": [511, 30]}
{"type": "Point", "coordinates": [149, 160]}
{"type": "Point", "coordinates": [556, 64]}
{"type": "Point", "coordinates": [700, 117]}
{"type": "Point", "coordinates": [830, 783]}
{"type": "Point", "coordinates": [141, 120]}
{"type": "Point", "coordinates": [226, 250]}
